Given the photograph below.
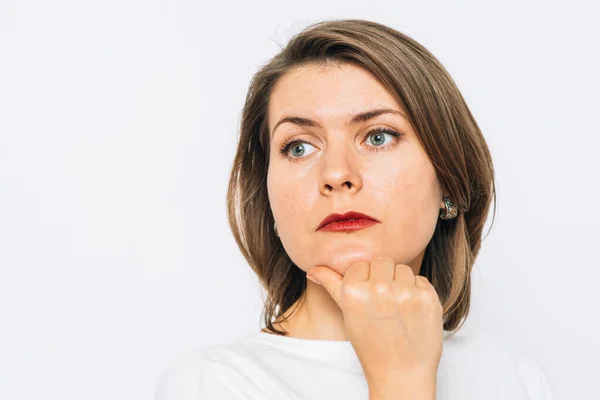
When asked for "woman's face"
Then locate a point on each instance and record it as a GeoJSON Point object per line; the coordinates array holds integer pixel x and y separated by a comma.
{"type": "Point", "coordinates": [336, 168]}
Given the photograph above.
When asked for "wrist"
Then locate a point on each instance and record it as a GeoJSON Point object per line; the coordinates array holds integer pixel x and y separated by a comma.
{"type": "Point", "coordinates": [404, 393]}
{"type": "Point", "coordinates": [409, 389]}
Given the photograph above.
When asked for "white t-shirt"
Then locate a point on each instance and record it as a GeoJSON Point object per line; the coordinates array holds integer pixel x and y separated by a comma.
{"type": "Point", "coordinates": [261, 366]}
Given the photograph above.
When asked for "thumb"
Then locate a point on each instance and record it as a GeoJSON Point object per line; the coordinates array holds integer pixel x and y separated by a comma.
{"type": "Point", "coordinates": [328, 278]}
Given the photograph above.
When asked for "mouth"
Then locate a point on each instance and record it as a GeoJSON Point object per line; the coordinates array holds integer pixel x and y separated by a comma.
{"type": "Point", "coordinates": [346, 222]}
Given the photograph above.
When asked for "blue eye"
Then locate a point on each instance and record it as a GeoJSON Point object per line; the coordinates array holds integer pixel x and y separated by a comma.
{"type": "Point", "coordinates": [379, 134]}
{"type": "Point", "coordinates": [298, 149]}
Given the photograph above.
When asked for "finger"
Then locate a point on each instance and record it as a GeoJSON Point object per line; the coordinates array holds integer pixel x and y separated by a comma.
{"type": "Point", "coordinates": [423, 283]}
{"type": "Point", "coordinates": [358, 271]}
{"type": "Point", "coordinates": [404, 275]}
{"type": "Point", "coordinates": [329, 279]}
{"type": "Point", "coordinates": [382, 269]}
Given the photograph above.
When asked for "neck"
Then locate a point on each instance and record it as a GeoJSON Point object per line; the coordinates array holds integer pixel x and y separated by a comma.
{"type": "Point", "coordinates": [315, 316]}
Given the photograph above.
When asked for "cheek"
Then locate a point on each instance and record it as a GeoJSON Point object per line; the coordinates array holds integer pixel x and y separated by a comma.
{"type": "Point", "coordinates": [413, 197]}
{"type": "Point", "coordinates": [290, 197]}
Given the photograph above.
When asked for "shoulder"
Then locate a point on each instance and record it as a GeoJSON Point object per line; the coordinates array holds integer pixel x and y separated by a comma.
{"type": "Point", "coordinates": [534, 378]}
{"type": "Point", "coordinates": [198, 375]}
{"type": "Point", "coordinates": [484, 346]}
{"type": "Point", "coordinates": [492, 354]}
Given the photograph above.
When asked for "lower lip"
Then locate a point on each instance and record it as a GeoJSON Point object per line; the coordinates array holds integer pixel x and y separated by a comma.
{"type": "Point", "coordinates": [348, 225]}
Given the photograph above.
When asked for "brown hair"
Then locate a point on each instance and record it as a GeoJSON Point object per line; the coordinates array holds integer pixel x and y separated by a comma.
{"type": "Point", "coordinates": [444, 125]}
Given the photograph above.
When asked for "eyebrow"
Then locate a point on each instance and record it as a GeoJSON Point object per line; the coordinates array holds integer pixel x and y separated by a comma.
{"type": "Point", "coordinates": [358, 118]}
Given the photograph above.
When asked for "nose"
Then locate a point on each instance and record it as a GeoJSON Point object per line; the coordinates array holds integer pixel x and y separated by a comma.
{"type": "Point", "coordinates": [339, 172]}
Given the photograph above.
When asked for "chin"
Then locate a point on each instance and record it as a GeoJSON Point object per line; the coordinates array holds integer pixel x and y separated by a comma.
{"type": "Point", "coordinates": [341, 260]}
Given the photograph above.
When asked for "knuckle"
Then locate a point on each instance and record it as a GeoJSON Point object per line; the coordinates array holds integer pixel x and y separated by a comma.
{"type": "Point", "coordinates": [382, 287]}
{"type": "Point", "coordinates": [349, 288]}
{"type": "Point", "coordinates": [352, 292]}
{"type": "Point", "coordinates": [426, 297]}
{"type": "Point", "coordinates": [403, 294]}
{"type": "Point", "coordinates": [430, 300]}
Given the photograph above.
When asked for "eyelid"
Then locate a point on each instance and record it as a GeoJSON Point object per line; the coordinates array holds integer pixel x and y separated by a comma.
{"type": "Point", "coordinates": [397, 134]}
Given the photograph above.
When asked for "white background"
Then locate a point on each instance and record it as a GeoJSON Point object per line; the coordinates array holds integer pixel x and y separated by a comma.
{"type": "Point", "coordinates": [118, 126]}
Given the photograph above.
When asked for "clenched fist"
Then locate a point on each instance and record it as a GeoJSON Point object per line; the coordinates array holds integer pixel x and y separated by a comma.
{"type": "Point", "coordinates": [393, 319]}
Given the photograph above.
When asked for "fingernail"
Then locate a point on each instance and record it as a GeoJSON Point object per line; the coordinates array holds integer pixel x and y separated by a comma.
{"type": "Point", "coordinates": [313, 279]}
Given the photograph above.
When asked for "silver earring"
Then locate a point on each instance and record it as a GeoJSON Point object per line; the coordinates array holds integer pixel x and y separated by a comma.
{"type": "Point", "coordinates": [275, 227]}
{"type": "Point", "coordinates": [451, 211]}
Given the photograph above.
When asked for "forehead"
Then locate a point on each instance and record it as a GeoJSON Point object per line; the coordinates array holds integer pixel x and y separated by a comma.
{"type": "Point", "coordinates": [328, 93]}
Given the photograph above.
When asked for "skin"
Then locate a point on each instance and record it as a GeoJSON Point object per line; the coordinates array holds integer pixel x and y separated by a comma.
{"type": "Point", "coordinates": [339, 170]}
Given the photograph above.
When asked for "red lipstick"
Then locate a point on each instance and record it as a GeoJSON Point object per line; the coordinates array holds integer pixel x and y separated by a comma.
{"type": "Point", "coordinates": [346, 222]}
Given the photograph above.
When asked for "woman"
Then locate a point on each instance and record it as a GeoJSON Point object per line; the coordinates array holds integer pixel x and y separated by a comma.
{"type": "Point", "coordinates": [358, 195]}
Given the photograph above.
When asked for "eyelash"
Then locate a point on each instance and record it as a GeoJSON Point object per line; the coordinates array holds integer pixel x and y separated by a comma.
{"type": "Point", "coordinates": [285, 147]}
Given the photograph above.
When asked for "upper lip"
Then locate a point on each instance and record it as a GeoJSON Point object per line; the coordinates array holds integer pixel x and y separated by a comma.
{"type": "Point", "coordinates": [341, 217]}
